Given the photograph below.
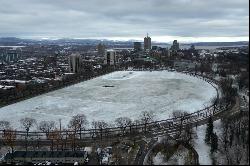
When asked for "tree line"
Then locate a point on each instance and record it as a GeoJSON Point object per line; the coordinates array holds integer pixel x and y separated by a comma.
{"type": "Point", "coordinates": [74, 129]}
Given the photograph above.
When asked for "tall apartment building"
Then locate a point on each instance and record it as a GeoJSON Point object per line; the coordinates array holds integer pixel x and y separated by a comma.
{"type": "Point", "coordinates": [175, 46]}
{"type": "Point", "coordinates": [9, 57]}
{"type": "Point", "coordinates": [147, 43]}
{"type": "Point", "coordinates": [75, 63]}
{"type": "Point", "coordinates": [110, 57]}
{"type": "Point", "coordinates": [137, 46]}
{"type": "Point", "coordinates": [101, 49]}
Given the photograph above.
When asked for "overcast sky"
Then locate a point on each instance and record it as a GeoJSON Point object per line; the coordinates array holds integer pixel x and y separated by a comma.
{"type": "Point", "coordinates": [164, 20]}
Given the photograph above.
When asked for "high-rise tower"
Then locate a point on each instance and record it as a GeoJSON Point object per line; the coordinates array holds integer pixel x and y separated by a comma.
{"type": "Point", "coordinates": [147, 43]}
{"type": "Point", "coordinates": [101, 49]}
{"type": "Point", "coordinates": [75, 63]}
{"type": "Point", "coordinates": [110, 57]}
{"type": "Point", "coordinates": [175, 46]}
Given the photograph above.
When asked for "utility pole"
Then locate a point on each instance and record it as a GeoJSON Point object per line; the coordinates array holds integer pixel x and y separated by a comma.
{"type": "Point", "coordinates": [60, 125]}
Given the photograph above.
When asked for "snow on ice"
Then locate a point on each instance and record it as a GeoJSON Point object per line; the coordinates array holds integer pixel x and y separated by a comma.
{"type": "Point", "coordinates": [122, 93]}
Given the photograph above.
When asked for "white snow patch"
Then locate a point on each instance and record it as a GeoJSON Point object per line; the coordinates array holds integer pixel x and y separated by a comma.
{"type": "Point", "coordinates": [159, 159]}
{"type": "Point", "coordinates": [177, 159]}
{"type": "Point", "coordinates": [201, 147]}
{"type": "Point", "coordinates": [88, 149]}
{"type": "Point", "coordinates": [218, 127]}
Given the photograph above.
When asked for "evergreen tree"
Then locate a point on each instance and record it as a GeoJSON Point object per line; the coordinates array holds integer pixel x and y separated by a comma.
{"type": "Point", "coordinates": [214, 142]}
{"type": "Point", "coordinates": [209, 130]}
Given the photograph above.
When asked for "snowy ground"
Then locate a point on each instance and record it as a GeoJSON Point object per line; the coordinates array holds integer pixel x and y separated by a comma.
{"type": "Point", "coordinates": [199, 142]}
{"type": "Point", "coordinates": [159, 159]}
{"type": "Point", "coordinates": [201, 147]}
{"type": "Point", "coordinates": [178, 158]}
{"type": "Point", "coordinates": [127, 93]}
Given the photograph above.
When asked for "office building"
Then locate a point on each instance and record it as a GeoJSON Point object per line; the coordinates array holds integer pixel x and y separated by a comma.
{"type": "Point", "coordinates": [154, 48]}
{"type": "Point", "coordinates": [147, 43]}
{"type": "Point", "coordinates": [110, 57]}
{"type": "Point", "coordinates": [101, 49]}
{"type": "Point", "coordinates": [75, 63]}
{"type": "Point", "coordinates": [9, 57]}
{"type": "Point", "coordinates": [192, 47]}
{"type": "Point", "coordinates": [137, 46]}
{"type": "Point", "coordinates": [175, 47]}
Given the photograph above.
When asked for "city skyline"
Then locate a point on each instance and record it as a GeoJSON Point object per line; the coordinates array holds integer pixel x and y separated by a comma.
{"type": "Point", "coordinates": [165, 21]}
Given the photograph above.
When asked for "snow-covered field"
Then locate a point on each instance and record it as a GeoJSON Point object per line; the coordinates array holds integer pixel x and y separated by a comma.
{"type": "Point", "coordinates": [123, 93]}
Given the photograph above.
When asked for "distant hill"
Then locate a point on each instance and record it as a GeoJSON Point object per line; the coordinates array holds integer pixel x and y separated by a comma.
{"type": "Point", "coordinates": [13, 41]}
{"type": "Point", "coordinates": [220, 43]}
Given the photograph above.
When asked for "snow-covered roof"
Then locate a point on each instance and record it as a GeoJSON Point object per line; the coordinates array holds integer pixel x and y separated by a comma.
{"type": "Point", "coordinates": [16, 81]}
{"type": "Point", "coordinates": [6, 87]}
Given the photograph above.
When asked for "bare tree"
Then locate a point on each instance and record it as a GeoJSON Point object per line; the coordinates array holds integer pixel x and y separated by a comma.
{"type": "Point", "coordinates": [55, 137]}
{"type": "Point", "coordinates": [234, 155]}
{"type": "Point", "coordinates": [27, 124]}
{"type": "Point", "coordinates": [136, 123]}
{"type": "Point", "coordinates": [225, 135]}
{"type": "Point", "coordinates": [123, 122]}
{"type": "Point", "coordinates": [72, 139]}
{"type": "Point", "coordinates": [179, 113]}
{"type": "Point", "coordinates": [46, 126]}
{"type": "Point", "coordinates": [135, 130]}
{"type": "Point", "coordinates": [146, 117]}
{"type": "Point", "coordinates": [182, 132]}
{"type": "Point", "coordinates": [187, 134]}
{"type": "Point", "coordinates": [78, 122]}
{"type": "Point", "coordinates": [9, 138]}
{"type": "Point", "coordinates": [4, 125]}
{"type": "Point", "coordinates": [235, 139]}
{"type": "Point", "coordinates": [228, 91]}
{"type": "Point", "coordinates": [99, 125]}
{"type": "Point", "coordinates": [95, 127]}
{"type": "Point", "coordinates": [215, 102]}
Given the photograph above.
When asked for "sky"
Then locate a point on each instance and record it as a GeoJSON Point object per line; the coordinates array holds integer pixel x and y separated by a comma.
{"type": "Point", "coordinates": [164, 20]}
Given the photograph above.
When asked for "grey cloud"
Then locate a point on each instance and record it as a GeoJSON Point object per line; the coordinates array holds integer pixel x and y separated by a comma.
{"type": "Point", "coordinates": [124, 18]}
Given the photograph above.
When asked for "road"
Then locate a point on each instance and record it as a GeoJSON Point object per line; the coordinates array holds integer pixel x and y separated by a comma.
{"type": "Point", "coordinates": [143, 151]}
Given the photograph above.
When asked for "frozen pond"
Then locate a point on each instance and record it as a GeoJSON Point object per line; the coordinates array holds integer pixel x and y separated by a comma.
{"type": "Point", "coordinates": [123, 93]}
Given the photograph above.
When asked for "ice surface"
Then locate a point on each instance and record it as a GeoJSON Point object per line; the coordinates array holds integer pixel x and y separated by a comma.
{"type": "Point", "coordinates": [122, 93]}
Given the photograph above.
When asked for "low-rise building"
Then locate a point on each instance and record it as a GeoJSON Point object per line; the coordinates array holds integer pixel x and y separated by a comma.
{"type": "Point", "coordinates": [186, 65]}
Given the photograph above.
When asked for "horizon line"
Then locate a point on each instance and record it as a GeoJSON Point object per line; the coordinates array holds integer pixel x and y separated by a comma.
{"type": "Point", "coordinates": [161, 39]}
